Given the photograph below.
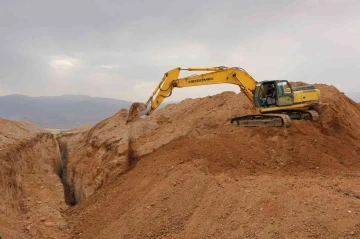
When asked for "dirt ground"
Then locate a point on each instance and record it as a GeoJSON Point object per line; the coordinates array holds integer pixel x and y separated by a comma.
{"type": "Point", "coordinates": [185, 172]}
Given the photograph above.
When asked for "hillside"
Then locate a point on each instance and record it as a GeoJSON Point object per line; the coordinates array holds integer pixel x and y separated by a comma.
{"type": "Point", "coordinates": [185, 172]}
{"type": "Point", "coordinates": [67, 111]}
{"type": "Point", "coordinates": [31, 192]}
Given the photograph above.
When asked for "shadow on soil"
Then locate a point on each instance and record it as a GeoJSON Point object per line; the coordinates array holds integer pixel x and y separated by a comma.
{"type": "Point", "coordinates": [71, 193]}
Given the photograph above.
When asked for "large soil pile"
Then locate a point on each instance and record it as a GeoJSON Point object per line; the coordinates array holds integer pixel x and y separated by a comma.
{"type": "Point", "coordinates": [185, 172]}
{"type": "Point", "coordinates": [31, 193]}
{"type": "Point", "coordinates": [100, 154]}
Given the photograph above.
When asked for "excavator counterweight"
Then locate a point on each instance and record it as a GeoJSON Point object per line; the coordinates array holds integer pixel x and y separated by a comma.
{"type": "Point", "coordinates": [277, 102]}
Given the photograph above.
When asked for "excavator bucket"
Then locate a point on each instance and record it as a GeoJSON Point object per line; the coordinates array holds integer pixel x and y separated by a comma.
{"type": "Point", "coordinates": [136, 110]}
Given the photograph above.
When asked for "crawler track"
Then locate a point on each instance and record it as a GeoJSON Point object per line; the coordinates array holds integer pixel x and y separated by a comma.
{"type": "Point", "coordinates": [279, 119]}
{"type": "Point", "coordinates": [262, 120]}
{"type": "Point", "coordinates": [310, 115]}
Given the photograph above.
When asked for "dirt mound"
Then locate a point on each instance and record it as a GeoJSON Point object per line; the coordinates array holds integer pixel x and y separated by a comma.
{"type": "Point", "coordinates": [100, 154]}
{"type": "Point", "coordinates": [214, 188]}
{"type": "Point", "coordinates": [197, 176]}
{"type": "Point", "coordinates": [339, 114]}
{"type": "Point", "coordinates": [31, 192]}
{"type": "Point", "coordinates": [12, 132]}
{"type": "Point", "coordinates": [298, 83]}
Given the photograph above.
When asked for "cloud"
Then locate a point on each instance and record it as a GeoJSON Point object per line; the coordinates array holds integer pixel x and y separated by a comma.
{"type": "Point", "coordinates": [122, 48]}
{"type": "Point", "coordinates": [109, 66]}
{"type": "Point", "coordinates": [146, 85]}
{"type": "Point", "coordinates": [64, 62]}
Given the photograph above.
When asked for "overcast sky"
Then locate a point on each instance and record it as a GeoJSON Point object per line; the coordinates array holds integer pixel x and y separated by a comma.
{"type": "Point", "coordinates": [121, 49]}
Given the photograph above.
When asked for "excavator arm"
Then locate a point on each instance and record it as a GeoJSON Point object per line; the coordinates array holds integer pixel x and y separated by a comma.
{"type": "Point", "coordinates": [215, 75]}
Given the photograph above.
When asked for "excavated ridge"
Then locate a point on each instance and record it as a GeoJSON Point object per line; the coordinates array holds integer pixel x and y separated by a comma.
{"type": "Point", "coordinates": [193, 175]}
{"type": "Point", "coordinates": [32, 198]}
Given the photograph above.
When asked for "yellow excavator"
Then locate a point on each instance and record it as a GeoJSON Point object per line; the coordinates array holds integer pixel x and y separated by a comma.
{"type": "Point", "coordinates": [277, 101]}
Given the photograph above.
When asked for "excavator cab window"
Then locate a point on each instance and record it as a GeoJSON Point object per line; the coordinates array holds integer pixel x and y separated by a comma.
{"type": "Point", "coordinates": [285, 93]}
{"type": "Point", "coordinates": [259, 91]}
{"type": "Point", "coordinates": [265, 94]}
{"type": "Point", "coordinates": [271, 94]}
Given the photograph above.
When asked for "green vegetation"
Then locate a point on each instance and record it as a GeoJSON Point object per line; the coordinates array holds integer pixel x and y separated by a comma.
{"type": "Point", "coordinates": [58, 132]}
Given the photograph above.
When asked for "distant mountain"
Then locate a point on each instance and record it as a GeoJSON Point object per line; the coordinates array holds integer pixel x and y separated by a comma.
{"type": "Point", "coordinates": [65, 111]}
{"type": "Point", "coordinates": [70, 111]}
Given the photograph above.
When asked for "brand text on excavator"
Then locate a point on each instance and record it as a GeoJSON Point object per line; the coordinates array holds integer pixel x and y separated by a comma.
{"type": "Point", "coordinates": [201, 80]}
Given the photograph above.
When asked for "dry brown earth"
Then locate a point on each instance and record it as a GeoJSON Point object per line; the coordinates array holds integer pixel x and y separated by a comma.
{"type": "Point", "coordinates": [198, 177]}
{"type": "Point", "coordinates": [32, 200]}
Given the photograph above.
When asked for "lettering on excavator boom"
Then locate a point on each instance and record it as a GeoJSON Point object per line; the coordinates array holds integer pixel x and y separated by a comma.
{"type": "Point", "coordinates": [201, 80]}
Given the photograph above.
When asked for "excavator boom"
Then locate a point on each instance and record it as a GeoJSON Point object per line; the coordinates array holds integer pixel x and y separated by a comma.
{"type": "Point", "coordinates": [215, 75]}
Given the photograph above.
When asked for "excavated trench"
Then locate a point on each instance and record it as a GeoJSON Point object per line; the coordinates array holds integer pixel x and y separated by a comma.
{"type": "Point", "coordinates": [131, 156]}
{"type": "Point", "coordinates": [33, 183]}
{"type": "Point", "coordinates": [71, 193]}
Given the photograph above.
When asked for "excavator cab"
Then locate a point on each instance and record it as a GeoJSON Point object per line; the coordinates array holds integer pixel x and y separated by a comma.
{"type": "Point", "coordinates": [273, 94]}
